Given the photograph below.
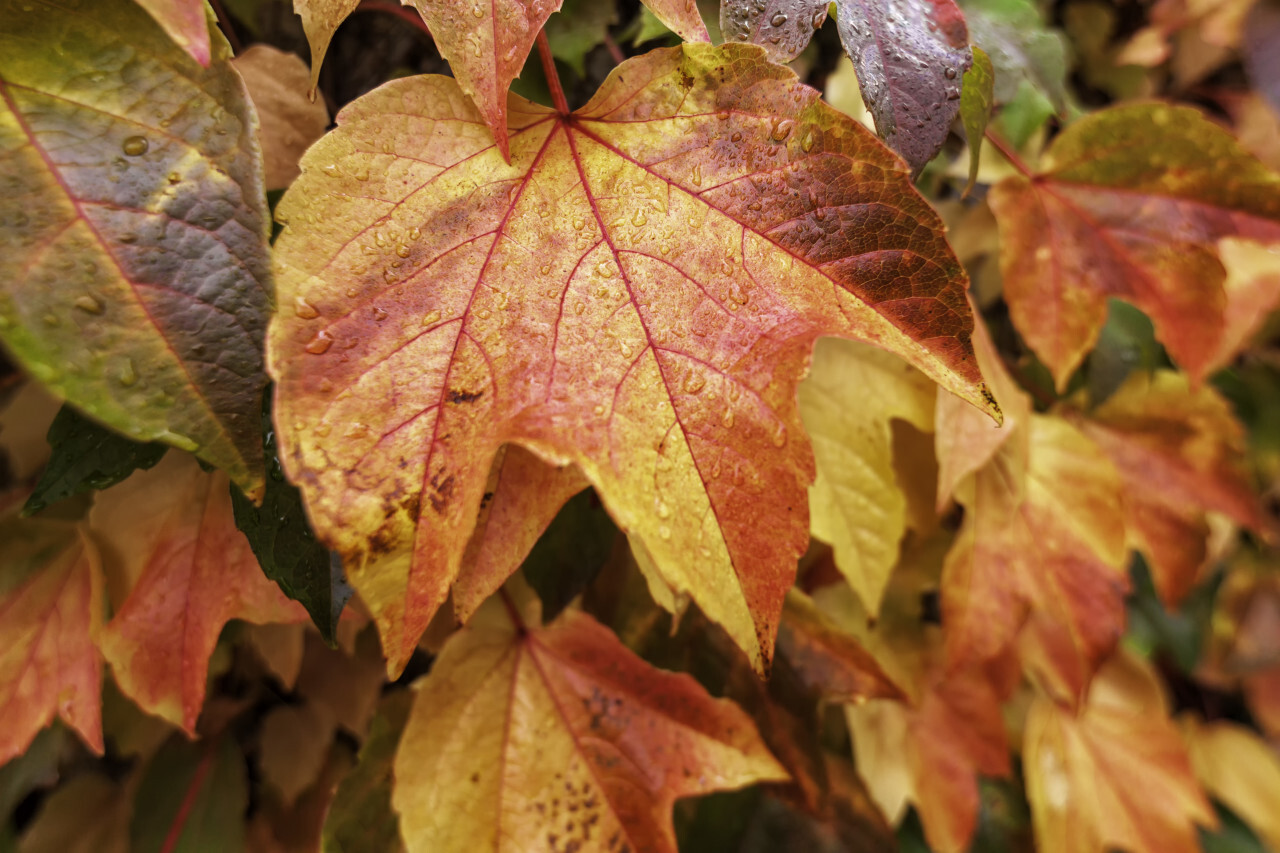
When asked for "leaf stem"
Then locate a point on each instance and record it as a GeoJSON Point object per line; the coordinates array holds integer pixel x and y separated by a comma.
{"type": "Point", "coordinates": [614, 51]}
{"type": "Point", "coordinates": [1009, 153]}
{"type": "Point", "coordinates": [553, 76]}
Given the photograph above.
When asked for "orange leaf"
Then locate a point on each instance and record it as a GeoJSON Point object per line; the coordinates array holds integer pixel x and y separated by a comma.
{"type": "Point", "coordinates": [50, 606]}
{"type": "Point", "coordinates": [827, 660]}
{"type": "Point", "coordinates": [681, 17]}
{"type": "Point", "coordinates": [931, 753]}
{"type": "Point", "coordinates": [1132, 204]}
{"type": "Point", "coordinates": [178, 570]}
{"type": "Point", "coordinates": [1239, 769]}
{"type": "Point", "coordinates": [522, 499]}
{"type": "Point", "coordinates": [1180, 452]}
{"type": "Point", "coordinates": [561, 736]}
{"type": "Point", "coordinates": [637, 294]}
{"type": "Point", "coordinates": [1114, 776]}
{"type": "Point", "coordinates": [486, 45]}
{"type": "Point", "coordinates": [289, 122]}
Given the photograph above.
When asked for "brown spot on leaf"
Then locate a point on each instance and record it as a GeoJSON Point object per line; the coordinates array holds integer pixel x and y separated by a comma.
{"type": "Point", "coordinates": [463, 396]}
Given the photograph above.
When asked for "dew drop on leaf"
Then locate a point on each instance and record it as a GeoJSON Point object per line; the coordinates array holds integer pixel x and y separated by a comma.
{"type": "Point", "coordinates": [135, 146]}
{"type": "Point", "coordinates": [320, 343]}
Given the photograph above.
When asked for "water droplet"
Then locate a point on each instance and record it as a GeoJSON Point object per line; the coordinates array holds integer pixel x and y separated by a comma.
{"type": "Point", "coordinates": [89, 304]}
{"type": "Point", "coordinates": [320, 343]}
{"type": "Point", "coordinates": [604, 269]}
{"type": "Point", "coordinates": [664, 531]}
{"type": "Point", "coordinates": [545, 269]}
{"type": "Point", "coordinates": [304, 309]}
{"type": "Point", "coordinates": [431, 318]}
{"type": "Point", "coordinates": [477, 12]}
{"type": "Point", "coordinates": [579, 223]}
{"type": "Point", "coordinates": [128, 376]}
{"type": "Point", "coordinates": [694, 382]}
{"type": "Point", "coordinates": [778, 436]}
{"type": "Point", "coordinates": [778, 20]}
{"type": "Point", "coordinates": [379, 314]}
{"type": "Point", "coordinates": [135, 146]}
{"type": "Point", "coordinates": [599, 410]}
{"type": "Point", "coordinates": [175, 178]}
{"type": "Point", "coordinates": [331, 170]}
{"type": "Point", "coordinates": [781, 130]}
{"type": "Point", "coordinates": [818, 17]}
{"type": "Point", "coordinates": [808, 142]}
{"type": "Point", "coordinates": [415, 233]}
{"type": "Point", "coordinates": [322, 430]}
{"type": "Point", "coordinates": [639, 218]}
{"type": "Point", "coordinates": [51, 320]}
{"type": "Point", "coordinates": [625, 349]}
{"type": "Point", "coordinates": [402, 250]}
{"type": "Point", "coordinates": [662, 509]}
{"type": "Point", "coordinates": [949, 72]}
{"type": "Point", "coordinates": [578, 308]}
{"type": "Point", "coordinates": [727, 419]}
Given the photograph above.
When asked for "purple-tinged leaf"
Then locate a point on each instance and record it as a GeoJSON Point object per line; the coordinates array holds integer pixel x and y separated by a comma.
{"type": "Point", "coordinates": [910, 56]}
{"type": "Point", "coordinates": [782, 27]}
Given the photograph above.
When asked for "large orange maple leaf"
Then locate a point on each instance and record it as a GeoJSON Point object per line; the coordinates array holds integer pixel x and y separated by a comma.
{"type": "Point", "coordinates": [637, 293]}
{"type": "Point", "coordinates": [561, 738]}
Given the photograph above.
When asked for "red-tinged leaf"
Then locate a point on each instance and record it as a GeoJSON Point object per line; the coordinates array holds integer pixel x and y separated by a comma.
{"type": "Point", "coordinates": [931, 752]}
{"type": "Point", "coordinates": [486, 45]}
{"type": "Point", "coordinates": [782, 27]}
{"type": "Point", "coordinates": [966, 443]}
{"type": "Point", "coordinates": [192, 799]}
{"type": "Point", "coordinates": [186, 24]}
{"type": "Point", "coordinates": [560, 736]}
{"type": "Point", "coordinates": [320, 20]}
{"type": "Point", "coordinates": [1114, 776]}
{"type": "Point", "coordinates": [178, 570]}
{"type": "Point", "coordinates": [1252, 287]}
{"type": "Point", "coordinates": [50, 606]}
{"type": "Point", "coordinates": [681, 17]}
{"type": "Point", "coordinates": [910, 56]}
{"type": "Point", "coordinates": [1131, 203]}
{"type": "Point", "coordinates": [1180, 452]}
{"type": "Point", "coordinates": [133, 258]}
{"type": "Point", "coordinates": [637, 294]}
{"type": "Point", "coordinates": [828, 661]}
{"type": "Point", "coordinates": [522, 499]}
{"type": "Point", "coordinates": [928, 747]}
{"type": "Point", "coordinates": [1044, 537]}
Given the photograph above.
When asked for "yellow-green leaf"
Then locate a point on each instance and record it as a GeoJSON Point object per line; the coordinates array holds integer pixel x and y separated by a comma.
{"type": "Point", "coordinates": [134, 274]}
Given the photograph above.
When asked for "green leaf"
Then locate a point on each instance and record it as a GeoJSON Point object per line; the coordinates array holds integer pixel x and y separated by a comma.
{"type": "Point", "coordinates": [1021, 48]}
{"type": "Point", "coordinates": [134, 267]}
{"type": "Point", "coordinates": [192, 799]}
{"type": "Point", "coordinates": [37, 767]}
{"type": "Point", "coordinates": [975, 107]}
{"type": "Point", "coordinates": [284, 543]}
{"type": "Point", "coordinates": [87, 456]}
{"type": "Point", "coordinates": [361, 819]}
{"type": "Point", "coordinates": [570, 553]}
{"type": "Point", "coordinates": [577, 28]}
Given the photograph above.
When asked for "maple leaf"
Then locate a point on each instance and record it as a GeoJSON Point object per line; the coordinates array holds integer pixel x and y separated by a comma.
{"type": "Point", "coordinates": [782, 27]}
{"type": "Point", "coordinates": [827, 660]}
{"type": "Point", "coordinates": [560, 735]}
{"type": "Point", "coordinates": [681, 17]}
{"type": "Point", "coordinates": [178, 570]}
{"type": "Point", "coordinates": [1240, 770]}
{"type": "Point", "coordinates": [1180, 452]}
{"type": "Point", "coordinates": [910, 56]}
{"type": "Point", "coordinates": [847, 402]}
{"type": "Point", "coordinates": [1131, 204]}
{"type": "Point", "coordinates": [134, 256]}
{"type": "Point", "coordinates": [637, 293]}
{"type": "Point", "coordinates": [50, 606]}
{"type": "Point", "coordinates": [320, 20]}
{"type": "Point", "coordinates": [1115, 775]}
{"type": "Point", "coordinates": [186, 23]}
{"type": "Point", "coordinates": [1043, 538]}
{"type": "Point", "coordinates": [928, 746]}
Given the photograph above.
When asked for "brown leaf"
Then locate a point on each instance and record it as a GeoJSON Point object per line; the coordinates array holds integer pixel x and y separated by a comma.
{"type": "Point", "coordinates": [288, 120]}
